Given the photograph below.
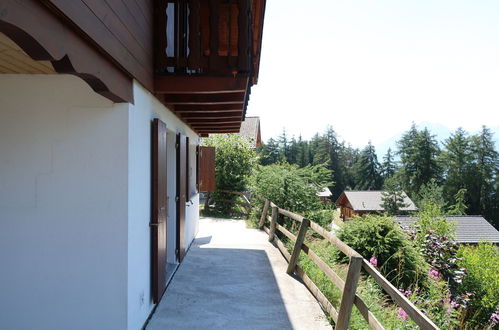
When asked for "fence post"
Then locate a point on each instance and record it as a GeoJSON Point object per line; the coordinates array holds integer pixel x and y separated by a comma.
{"type": "Point", "coordinates": [349, 290]}
{"type": "Point", "coordinates": [299, 242]}
{"type": "Point", "coordinates": [264, 213]}
{"type": "Point", "coordinates": [272, 223]}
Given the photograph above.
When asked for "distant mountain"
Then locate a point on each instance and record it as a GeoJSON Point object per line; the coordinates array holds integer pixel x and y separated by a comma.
{"type": "Point", "coordinates": [440, 131]}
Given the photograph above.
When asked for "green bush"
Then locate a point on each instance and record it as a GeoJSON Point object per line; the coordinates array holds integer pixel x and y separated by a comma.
{"type": "Point", "coordinates": [482, 265]}
{"type": "Point", "coordinates": [235, 159]}
{"type": "Point", "coordinates": [381, 237]}
{"type": "Point", "coordinates": [322, 217]}
{"type": "Point", "coordinates": [289, 187]}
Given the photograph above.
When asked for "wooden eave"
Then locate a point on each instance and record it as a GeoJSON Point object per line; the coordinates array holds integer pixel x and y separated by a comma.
{"type": "Point", "coordinates": [208, 86]}
{"type": "Point", "coordinates": [208, 104]}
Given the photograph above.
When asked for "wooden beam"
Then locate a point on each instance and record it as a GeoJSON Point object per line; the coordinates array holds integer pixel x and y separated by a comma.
{"type": "Point", "coordinates": [207, 115]}
{"type": "Point", "coordinates": [217, 130]}
{"type": "Point", "coordinates": [224, 132]}
{"type": "Point", "coordinates": [208, 107]}
{"type": "Point", "coordinates": [210, 126]}
{"type": "Point", "coordinates": [221, 98]}
{"type": "Point", "coordinates": [199, 84]}
{"type": "Point", "coordinates": [194, 121]}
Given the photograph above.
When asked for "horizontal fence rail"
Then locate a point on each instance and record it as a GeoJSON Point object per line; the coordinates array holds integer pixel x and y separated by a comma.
{"type": "Point", "coordinates": [348, 287]}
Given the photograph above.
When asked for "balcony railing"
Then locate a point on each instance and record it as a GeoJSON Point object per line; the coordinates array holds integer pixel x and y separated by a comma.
{"type": "Point", "coordinates": [212, 37]}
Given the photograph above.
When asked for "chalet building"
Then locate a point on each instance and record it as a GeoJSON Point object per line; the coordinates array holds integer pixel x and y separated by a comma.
{"type": "Point", "coordinates": [325, 195]}
{"type": "Point", "coordinates": [470, 229]}
{"type": "Point", "coordinates": [102, 106]}
{"type": "Point", "coordinates": [364, 202]}
{"type": "Point", "coordinates": [250, 129]}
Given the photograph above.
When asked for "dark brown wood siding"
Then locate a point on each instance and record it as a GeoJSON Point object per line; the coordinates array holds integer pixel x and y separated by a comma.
{"type": "Point", "coordinates": [122, 29]}
{"type": "Point", "coordinates": [207, 169]}
{"type": "Point", "coordinates": [181, 197]}
{"type": "Point", "coordinates": [159, 209]}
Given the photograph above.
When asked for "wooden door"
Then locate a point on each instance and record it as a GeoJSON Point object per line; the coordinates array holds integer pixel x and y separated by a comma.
{"type": "Point", "coordinates": [206, 168]}
{"type": "Point", "coordinates": [181, 197]}
{"type": "Point", "coordinates": [159, 209]}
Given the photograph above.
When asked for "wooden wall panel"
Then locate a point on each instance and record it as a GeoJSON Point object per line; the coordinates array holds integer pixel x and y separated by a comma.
{"type": "Point", "coordinates": [159, 209]}
{"type": "Point", "coordinates": [181, 197]}
{"type": "Point", "coordinates": [207, 169]}
{"type": "Point", "coordinates": [121, 29]}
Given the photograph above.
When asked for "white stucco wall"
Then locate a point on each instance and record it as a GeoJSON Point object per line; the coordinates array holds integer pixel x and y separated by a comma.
{"type": "Point", "coordinates": [63, 205]}
{"type": "Point", "coordinates": [75, 204]}
{"type": "Point", "coordinates": [145, 109]}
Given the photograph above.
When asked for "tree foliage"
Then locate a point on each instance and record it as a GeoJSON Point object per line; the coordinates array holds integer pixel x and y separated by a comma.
{"type": "Point", "coordinates": [381, 237]}
{"type": "Point", "coordinates": [291, 187]}
{"type": "Point", "coordinates": [235, 159]}
{"type": "Point", "coordinates": [462, 161]}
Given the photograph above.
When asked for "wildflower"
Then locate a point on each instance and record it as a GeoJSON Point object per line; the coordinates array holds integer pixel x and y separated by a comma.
{"type": "Point", "coordinates": [494, 318]}
{"type": "Point", "coordinates": [373, 261]}
{"type": "Point", "coordinates": [433, 273]}
{"type": "Point", "coordinates": [407, 293]}
{"type": "Point", "coordinates": [401, 314]}
{"type": "Point", "coordinates": [454, 304]}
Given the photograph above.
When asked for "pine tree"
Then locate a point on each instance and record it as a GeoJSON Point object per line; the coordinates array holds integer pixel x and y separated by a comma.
{"type": "Point", "coordinates": [485, 168]}
{"type": "Point", "coordinates": [282, 140]}
{"type": "Point", "coordinates": [419, 153]}
{"type": "Point", "coordinates": [393, 198]}
{"type": "Point", "coordinates": [368, 170]}
{"type": "Point", "coordinates": [389, 166]}
{"type": "Point", "coordinates": [456, 158]}
{"type": "Point", "coordinates": [408, 153]}
{"type": "Point", "coordinates": [270, 153]}
{"type": "Point", "coordinates": [459, 207]}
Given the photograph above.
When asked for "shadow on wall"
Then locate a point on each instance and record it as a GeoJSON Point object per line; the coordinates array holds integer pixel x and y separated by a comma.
{"type": "Point", "coordinates": [236, 289]}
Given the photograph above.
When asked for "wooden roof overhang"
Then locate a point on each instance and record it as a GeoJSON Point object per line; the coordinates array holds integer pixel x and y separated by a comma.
{"type": "Point", "coordinates": [205, 77]}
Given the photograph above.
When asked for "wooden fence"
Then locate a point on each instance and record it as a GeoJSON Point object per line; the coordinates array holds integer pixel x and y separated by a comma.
{"type": "Point", "coordinates": [348, 287]}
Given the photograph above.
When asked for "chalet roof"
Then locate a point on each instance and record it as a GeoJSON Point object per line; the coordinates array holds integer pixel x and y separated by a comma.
{"type": "Point", "coordinates": [325, 192]}
{"type": "Point", "coordinates": [369, 200]}
{"type": "Point", "coordinates": [469, 229]}
{"type": "Point", "coordinates": [250, 128]}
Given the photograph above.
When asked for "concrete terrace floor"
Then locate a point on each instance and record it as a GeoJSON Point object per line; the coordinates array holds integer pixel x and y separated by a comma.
{"type": "Point", "coordinates": [233, 278]}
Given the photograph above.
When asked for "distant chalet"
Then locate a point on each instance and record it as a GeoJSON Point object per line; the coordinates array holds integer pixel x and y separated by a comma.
{"type": "Point", "coordinates": [470, 229]}
{"type": "Point", "coordinates": [367, 201]}
{"type": "Point", "coordinates": [250, 128]}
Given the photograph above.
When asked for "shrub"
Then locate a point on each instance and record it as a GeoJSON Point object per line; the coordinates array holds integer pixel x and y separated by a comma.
{"type": "Point", "coordinates": [289, 187]}
{"type": "Point", "coordinates": [234, 161]}
{"type": "Point", "coordinates": [482, 265]}
{"type": "Point", "coordinates": [322, 217]}
{"type": "Point", "coordinates": [441, 253]}
{"type": "Point", "coordinates": [380, 237]}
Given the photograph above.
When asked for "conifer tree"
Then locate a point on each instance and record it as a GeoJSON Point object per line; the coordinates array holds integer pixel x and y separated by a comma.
{"type": "Point", "coordinates": [389, 167]}
{"type": "Point", "coordinates": [485, 168]}
{"type": "Point", "coordinates": [456, 158]}
{"type": "Point", "coordinates": [368, 170]}
{"type": "Point", "coordinates": [393, 198]}
{"type": "Point", "coordinates": [419, 153]}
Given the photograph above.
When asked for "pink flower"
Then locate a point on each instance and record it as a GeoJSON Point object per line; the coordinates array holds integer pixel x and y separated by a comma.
{"type": "Point", "coordinates": [433, 273]}
{"type": "Point", "coordinates": [373, 261]}
{"type": "Point", "coordinates": [401, 314]}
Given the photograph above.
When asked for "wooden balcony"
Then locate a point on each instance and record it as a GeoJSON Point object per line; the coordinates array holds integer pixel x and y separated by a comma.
{"type": "Point", "coordinates": [206, 60]}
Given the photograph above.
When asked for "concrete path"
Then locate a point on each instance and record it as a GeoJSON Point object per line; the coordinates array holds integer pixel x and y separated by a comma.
{"type": "Point", "coordinates": [233, 278]}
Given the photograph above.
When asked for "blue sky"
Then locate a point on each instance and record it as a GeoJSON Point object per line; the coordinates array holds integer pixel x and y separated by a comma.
{"type": "Point", "coordinates": [370, 68]}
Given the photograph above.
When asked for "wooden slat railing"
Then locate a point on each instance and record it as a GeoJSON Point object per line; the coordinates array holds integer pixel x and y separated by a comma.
{"type": "Point", "coordinates": [195, 28]}
{"type": "Point", "coordinates": [348, 287]}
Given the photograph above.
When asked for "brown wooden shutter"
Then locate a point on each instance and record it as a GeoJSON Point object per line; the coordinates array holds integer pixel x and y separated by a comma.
{"type": "Point", "coordinates": [159, 209]}
{"type": "Point", "coordinates": [187, 171]}
{"type": "Point", "coordinates": [198, 151]}
{"type": "Point", "coordinates": [181, 197]}
{"type": "Point", "coordinates": [207, 169]}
